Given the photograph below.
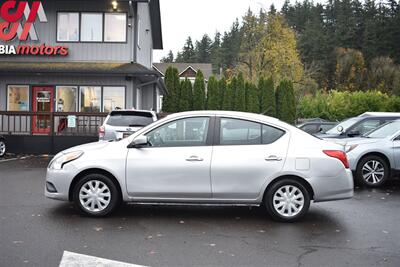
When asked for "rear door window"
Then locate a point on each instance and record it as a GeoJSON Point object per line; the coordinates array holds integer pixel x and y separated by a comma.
{"type": "Point", "coordinates": [129, 119]}
{"type": "Point", "coordinates": [270, 134]}
{"type": "Point", "coordinates": [242, 132]}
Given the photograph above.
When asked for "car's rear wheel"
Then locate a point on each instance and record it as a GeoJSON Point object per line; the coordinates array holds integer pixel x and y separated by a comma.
{"type": "Point", "coordinates": [372, 171]}
{"type": "Point", "coordinates": [287, 200]}
{"type": "Point", "coordinates": [3, 148]}
{"type": "Point", "coordinates": [96, 195]}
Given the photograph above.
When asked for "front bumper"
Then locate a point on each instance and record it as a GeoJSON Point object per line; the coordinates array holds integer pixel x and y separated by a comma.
{"type": "Point", "coordinates": [338, 187]}
{"type": "Point", "coordinates": [61, 180]}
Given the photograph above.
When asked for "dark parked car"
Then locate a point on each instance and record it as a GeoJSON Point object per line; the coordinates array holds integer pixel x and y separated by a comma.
{"type": "Point", "coordinates": [314, 127]}
{"type": "Point", "coordinates": [360, 125]}
{"type": "Point", "coordinates": [3, 147]}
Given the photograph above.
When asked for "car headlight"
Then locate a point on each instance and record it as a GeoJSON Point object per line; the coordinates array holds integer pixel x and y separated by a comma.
{"type": "Point", "coordinates": [349, 148]}
{"type": "Point", "coordinates": [59, 161]}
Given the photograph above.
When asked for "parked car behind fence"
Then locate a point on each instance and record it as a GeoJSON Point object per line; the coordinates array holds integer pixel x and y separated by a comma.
{"type": "Point", "coordinates": [122, 123]}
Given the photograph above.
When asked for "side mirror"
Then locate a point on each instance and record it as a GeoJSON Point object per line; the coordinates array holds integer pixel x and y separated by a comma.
{"type": "Point", "coordinates": [340, 129]}
{"type": "Point", "coordinates": [353, 133]}
{"type": "Point", "coordinates": [139, 142]}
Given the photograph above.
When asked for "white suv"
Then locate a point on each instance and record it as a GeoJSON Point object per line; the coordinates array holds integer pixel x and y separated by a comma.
{"type": "Point", "coordinates": [122, 123]}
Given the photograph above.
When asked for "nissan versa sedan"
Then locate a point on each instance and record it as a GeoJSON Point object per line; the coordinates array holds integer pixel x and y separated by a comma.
{"type": "Point", "coordinates": [375, 157]}
{"type": "Point", "coordinates": [204, 157]}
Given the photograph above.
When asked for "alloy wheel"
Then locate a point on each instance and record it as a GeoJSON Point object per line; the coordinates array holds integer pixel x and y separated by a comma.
{"type": "Point", "coordinates": [94, 196]}
{"type": "Point", "coordinates": [373, 172]}
{"type": "Point", "coordinates": [2, 148]}
{"type": "Point", "coordinates": [288, 201]}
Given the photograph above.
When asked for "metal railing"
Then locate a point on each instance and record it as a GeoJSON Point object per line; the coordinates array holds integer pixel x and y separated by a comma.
{"type": "Point", "coordinates": [50, 123]}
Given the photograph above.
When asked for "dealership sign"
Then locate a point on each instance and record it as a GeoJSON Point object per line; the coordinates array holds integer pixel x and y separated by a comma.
{"type": "Point", "coordinates": [18, 22]}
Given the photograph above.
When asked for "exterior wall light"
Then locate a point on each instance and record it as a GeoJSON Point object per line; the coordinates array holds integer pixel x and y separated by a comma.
{"type": "Point", "coordinates": [114, 5]}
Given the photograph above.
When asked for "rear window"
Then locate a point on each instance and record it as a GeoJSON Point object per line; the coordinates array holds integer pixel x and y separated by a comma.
{"type": "Point", "coordinates": [130, 119]}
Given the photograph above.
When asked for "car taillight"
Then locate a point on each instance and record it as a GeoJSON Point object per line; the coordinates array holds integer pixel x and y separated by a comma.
{"type": "Point", "coordinates": [102, 131]}
{"type": "Point", "coordinates": [340, 155]}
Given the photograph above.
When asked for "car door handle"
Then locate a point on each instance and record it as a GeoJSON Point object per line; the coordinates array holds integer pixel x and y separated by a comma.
{"type": "Point", "coordinates": [194, 158]}
{"type": "Point", "coordinates": [273, 158]}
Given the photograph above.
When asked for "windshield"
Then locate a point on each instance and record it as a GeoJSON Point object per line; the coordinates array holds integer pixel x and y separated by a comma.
{"type": "Point", "coordinates": [130, 119]}
{"type": "Point", "coordinates": [385, 130]}
{"type": "Point", "coordinates": [345, 124]}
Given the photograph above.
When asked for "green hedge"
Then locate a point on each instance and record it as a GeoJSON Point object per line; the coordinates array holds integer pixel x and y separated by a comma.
{"type": "Point", "coordinates": [341, 105]}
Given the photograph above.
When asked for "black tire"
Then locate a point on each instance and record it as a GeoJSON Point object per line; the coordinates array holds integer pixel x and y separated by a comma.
{"type": "Point", "coordinates": [269, 200]}
{"type": "Point", "coordinates": [3, 148]}
{"type": "Point", "coordinates": [114, 201]}
{"type": "Point", "coordinates": [373, 180]}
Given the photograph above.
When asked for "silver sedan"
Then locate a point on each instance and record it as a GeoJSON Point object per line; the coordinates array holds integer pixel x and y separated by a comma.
{"type": "Point", "coordinates": [375, 158]}
{"type": "Point", "coordinates": [204, 158]}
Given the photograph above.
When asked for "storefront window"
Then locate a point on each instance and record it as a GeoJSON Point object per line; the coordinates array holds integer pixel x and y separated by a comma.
{"type": "Point", "coordinates": [68, 27]}
{"type": "Point", "coordinates": [113, 98]}
{"type": "Point", "coordinates": [115, 27]}
{"type": "Point", "coordinates": [92, 27]}
{"type": "Point", "coordinates": [66, 98]}
{"type": "Point", "coordinates": [18, 98]}
{"type": "Point", "coordinates": [90, 98]}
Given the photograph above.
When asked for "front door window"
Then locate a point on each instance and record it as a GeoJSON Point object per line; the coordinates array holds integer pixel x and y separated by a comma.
{"type": "Point", "coordinates": [184, 132]}
{"type": "Point", "coordinates": [43, 104]}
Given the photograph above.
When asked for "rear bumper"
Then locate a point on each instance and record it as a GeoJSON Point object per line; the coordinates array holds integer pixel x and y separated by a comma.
{"type": "Point", "coordinates": [334, 188]}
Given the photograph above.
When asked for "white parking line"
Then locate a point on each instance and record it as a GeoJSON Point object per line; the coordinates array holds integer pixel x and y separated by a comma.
{"type": "Point", "coordinates": [71, 259]}
{"type": "Point", "coordinates": [7, 160]}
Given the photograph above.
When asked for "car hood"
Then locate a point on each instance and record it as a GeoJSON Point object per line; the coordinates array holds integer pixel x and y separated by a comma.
{"type": "Point", "coordinates": [325, 135]}
{"type": "Point", "coordinates": [361, 141]}
{"type": "Point", "coordinates": [88, 147]}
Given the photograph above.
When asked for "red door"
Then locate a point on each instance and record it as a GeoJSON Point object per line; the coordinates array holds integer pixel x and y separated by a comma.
{"type": "Point", "coordinates": [42, 101]}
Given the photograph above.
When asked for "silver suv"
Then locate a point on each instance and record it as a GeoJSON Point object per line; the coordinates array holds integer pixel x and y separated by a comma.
{"type": "Point", "coordinates": [122, 123]}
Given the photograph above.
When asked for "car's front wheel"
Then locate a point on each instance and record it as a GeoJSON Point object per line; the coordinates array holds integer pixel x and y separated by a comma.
{"type": "Point", "coordinates": [372, 171]}
{"type": "Point", "coordinates": [3, 148]}
{"type": "Point", "coordinates": [287, 200]}
{"type": "Point", "coordinates": [96, 195]}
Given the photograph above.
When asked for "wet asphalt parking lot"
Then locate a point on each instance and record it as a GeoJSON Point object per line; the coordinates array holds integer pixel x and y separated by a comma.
{"type": "Point", "coordinates": [35, 231]}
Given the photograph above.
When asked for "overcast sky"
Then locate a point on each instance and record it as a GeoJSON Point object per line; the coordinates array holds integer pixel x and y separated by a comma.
{"type": "Point", "coordinates": [183, 18]}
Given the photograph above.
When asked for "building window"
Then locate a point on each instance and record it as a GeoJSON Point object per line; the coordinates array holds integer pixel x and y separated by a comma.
{"type": "Point", "coordinates": [66, 97]}
{"type": "Point", "coordinates": [90, 98]}
{"type": "Point", "coordinates": [68, 27]}
{"type": "Point", "coordinates": [115, 27]}
{"type": "Point", "coordinates": [18, 98]}
{"type": "Point", "coordinates": [113, 98]}
{"type": "Point", "coordinates": [92, 27]}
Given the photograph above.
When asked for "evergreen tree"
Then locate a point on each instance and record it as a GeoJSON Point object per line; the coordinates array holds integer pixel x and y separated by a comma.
{"type": "Point", "coordinates": [228, 99]}
{"type": "Point", "coordinates": [267, 97]}
{"type": "Point", "coordinates": [203, 50]}
{"type": "Point", "coordinates": [216, 53]}
{"type": "Point", "coordinates": [286, 102]}
{"type": "Point", "coordinates": [252, 100]}
{"type": "Point", "coordinates": [213, 94]}
{"type": "Point", "coordinates": [221, 93]}
{"type": "Point", "coordinates": [230, 46]}
{"type": "Point", "coordinates": [188, 54]}
{"type": "Point", "coordinates": [199, 94]}
{"type": "Point", "coordinates": [186, 99]}
{"type": "Point", "coordinates": [240, 94]}
{"type": "Point", "coordinates": [169, 58]}
{"type": "Point", "coordinates": [172, 83]}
